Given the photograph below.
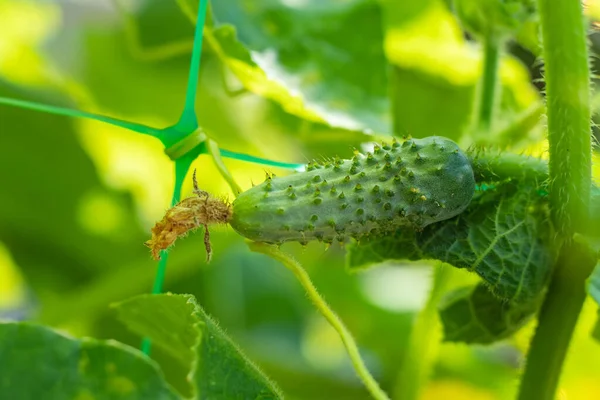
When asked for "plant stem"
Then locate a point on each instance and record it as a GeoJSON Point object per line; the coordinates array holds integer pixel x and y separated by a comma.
{"type": "Point", "coordinates": [569, 137]}
{"type": "Point", "coordinates": [337, 324]}
{"type": "Point", "coordinates": [557, 320]}
{"type": "Point", "coordinates": [213, 150]}
{"type": "Point", "coordinates": [499, 166]}
{"type": "Point", "coordinates": [489, 84]}
{"type": "Point", "coordinates": [568, 102]}
{"type": "Point", "coordinates": [424, 342]}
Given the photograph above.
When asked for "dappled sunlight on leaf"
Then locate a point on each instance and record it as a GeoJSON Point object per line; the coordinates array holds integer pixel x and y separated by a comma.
{"type": "Point", "coordinates": [20, 58]}
{"type": "Point", "coordinates": [596, 167]}
{"type": "Point", "coordinates": [322, 347]}
{"type": "Point", "coordinates": [515, 77]}
{"type": "Point", "coordinates": [94, 204]}
{"type": "Point", "coordinates": [455, 390]}
{"type": "Point", "coordinates": [13, 290]}
{"type": "Point", "coordinates": [437, 71]}
{"type": "Point", "coordinates": [592, 9]}
{"type": "Point", "coordinates": [306, 57]}
{"type": "Point", "coordinates": [262, 79]}
{"type": "Point", "coordinates": [397, 287]}
{"type": "Point", "coordinates": [433, 43]}
{"type": "Point", "coordinates": [127, 161]}
{"type": "Point", "coordinates": [584, 356]}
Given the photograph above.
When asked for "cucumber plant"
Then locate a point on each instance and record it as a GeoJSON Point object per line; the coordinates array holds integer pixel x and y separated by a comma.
{"type": "Point", "coordinates": [527, 227]}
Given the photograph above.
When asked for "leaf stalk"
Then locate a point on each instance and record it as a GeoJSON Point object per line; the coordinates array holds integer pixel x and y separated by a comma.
{"type": "Point", "coordinates": [489, 83]}
{"type": "Point", "coordinates": [331, 317]}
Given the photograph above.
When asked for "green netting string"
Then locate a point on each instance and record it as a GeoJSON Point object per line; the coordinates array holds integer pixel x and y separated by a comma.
{"type": "Point", "coordinates": [263, 161]}
{"type": "Point", "coordinates": [188, 122]}
{"type": "Point", "coordinates": [67, 112]}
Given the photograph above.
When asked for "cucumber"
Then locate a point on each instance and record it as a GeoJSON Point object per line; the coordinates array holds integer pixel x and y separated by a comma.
{"type": "Point", "coordinates": [412, 183]}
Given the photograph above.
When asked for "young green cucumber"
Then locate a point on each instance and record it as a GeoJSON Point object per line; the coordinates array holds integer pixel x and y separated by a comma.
{"type": "Point", "coordinates": [410, 184]}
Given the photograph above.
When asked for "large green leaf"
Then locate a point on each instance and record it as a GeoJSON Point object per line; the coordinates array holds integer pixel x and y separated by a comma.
{"type": "Point", "coordinates": [217, 368]}
{"type": "Point", "coordinates": [504, 236]}
{"type": "Point", "coordinates": [474, 315]}
{"type": "Point", "coordinates": [39, 363]}
{"type": "Point", "coordinates": [321, 59]}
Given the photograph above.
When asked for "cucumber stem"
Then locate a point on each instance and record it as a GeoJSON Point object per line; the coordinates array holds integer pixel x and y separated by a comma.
{"type": "Point", "coordinates": [322, 306]}
{"type": "Point", "coordinates": [557, 320]}
{"type": "Point", "coordinates": [567, 72]}
{"type": "Point", "coordinates": [489, 83]}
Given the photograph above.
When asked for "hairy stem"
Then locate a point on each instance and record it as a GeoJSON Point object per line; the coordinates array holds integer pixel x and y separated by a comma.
{"type": "Point", "coordinates": [337, 324]}
{"type": "Point", "coordinates": [489, 84]}
{"type": "Point", "coordinates": [569, 136]}
{"type": "Point", "coordinates": [498, 166]}
{"type": "Point", "coordinates": [569, 114]}
{"type": "Point", "coordinates": [424, 342]}
{"type": "Point", "coordinates": [557, 320]}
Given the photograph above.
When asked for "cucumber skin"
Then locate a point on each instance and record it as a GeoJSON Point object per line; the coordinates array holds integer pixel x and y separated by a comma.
{"type": "Point", "coordinates": [410, 184]}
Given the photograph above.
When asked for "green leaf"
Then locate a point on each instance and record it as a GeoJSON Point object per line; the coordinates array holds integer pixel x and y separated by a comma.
{"type": "Point", "coordinates": [474, 315]}
{"type": "Point", "coordinates": [217, 368]}
{"type": "Point", "coordinates": [39, 363]}
{"type": "Point", "coordinates": [504, 236]}
{"type": "Point", "coordinates": [321, 60]}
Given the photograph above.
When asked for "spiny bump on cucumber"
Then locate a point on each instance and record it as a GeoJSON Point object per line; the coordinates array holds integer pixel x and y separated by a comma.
{"type": "Point", "coordinates": [410, 184]}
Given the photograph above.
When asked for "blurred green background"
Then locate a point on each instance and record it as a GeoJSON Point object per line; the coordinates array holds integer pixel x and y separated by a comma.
{"type": "Point", "coordinates": [301, 80]}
